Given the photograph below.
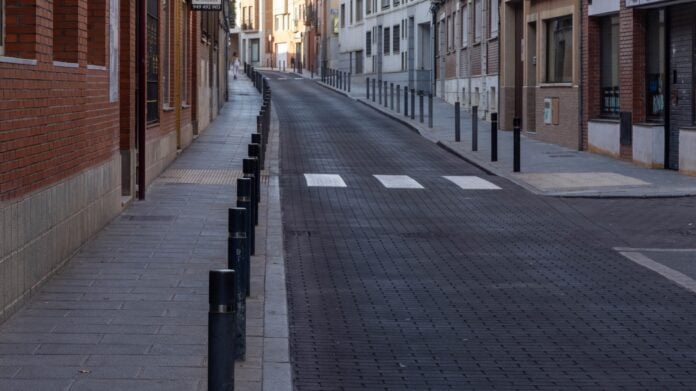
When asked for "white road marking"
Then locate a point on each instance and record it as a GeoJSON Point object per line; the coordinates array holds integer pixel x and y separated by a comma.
{"type": "Point", "coordinates": [667, 272]}
{"type": "Point", "coordinates": [660, 250]}
{"type": "Point", "coordinates": [324, 180]}
{"type": "Point", "coordinates": [398, 182]}
{"type": "Point", "coordinates": [472, 183]}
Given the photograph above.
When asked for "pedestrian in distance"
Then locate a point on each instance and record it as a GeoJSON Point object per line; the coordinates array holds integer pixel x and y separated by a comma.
{"type": "Point", "coordinates": [235, 65]}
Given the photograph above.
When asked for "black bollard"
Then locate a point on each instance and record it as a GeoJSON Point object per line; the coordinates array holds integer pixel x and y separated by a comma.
{"type": "Point", "coordinates": [237, 243]}
{"type": "Point", "coordinates": [420, 105]}
{"type": "Point", "coordinates": [373, 90]}
{"type": "Point", "coordinates": [457, 123]}
{"type": "Point", "coordinates": [349, 80]}
{"type": "Point", "coordinates": [474, 128]}
{"type": "Point", "coordinates": [254, 150]}
{"type": "Point", "coordinates": [413, 103]}
{"type": "Point", "coordinates": [494, 137]}
{"type": "Point", "coordinates": [250, 171]}
{"type": "Point", "coordinates": [430, 110]}
{"type": "Point", "coordinates": [406, 101]}
{"type": "Point", "coordinates": [516, 124]}
{"type": "Point", "coordinates": [398, 98]}
{"type": "Point", "coordinates": [368, 88]}
{"type": "Point", "coordinates": [256, 138]}
{"type": "Point", "coordinates": [245, 199]}
{"type": "Point", "coordinates": [379, 87]}
{"type": "Point", "coordinates": [221, 329]}
{"type": "Point", "coordinates": [386, 93]}
{"type": "Point", "coordinates": [391, 95]}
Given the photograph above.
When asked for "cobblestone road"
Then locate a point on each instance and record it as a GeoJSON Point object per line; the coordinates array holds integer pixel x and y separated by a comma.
{"type": "Point", "coordinates": [445, 288]}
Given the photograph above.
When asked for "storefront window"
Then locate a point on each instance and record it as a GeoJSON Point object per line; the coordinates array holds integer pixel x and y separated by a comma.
{"type": "Point", "coordinates": [559, 50]}
{"type": "Point", "coordinates": [655, 56]}
{"type": "Point", "coordinates": [609, 65]}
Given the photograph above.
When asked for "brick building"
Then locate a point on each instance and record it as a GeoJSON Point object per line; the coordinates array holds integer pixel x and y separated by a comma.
{"type": "Point", "coordinates": [80, 131]}
{"type": "Point", "coordinates": [467, 53]}
{"type": "Point", "coordinates": [639, 62]}
{"type": "Point", "coordinates": [540, 69]}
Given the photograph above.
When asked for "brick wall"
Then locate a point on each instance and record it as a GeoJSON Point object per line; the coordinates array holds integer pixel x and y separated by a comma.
{"type": "Point", "coordinates": [590, 54]}
{"type": "Point", "coordinates": [21, 28]}
{"type": "Point", "coordinates": [493, 57]}
{"type": "Point", "coordinates": [66, 28]}
{"type": "Point", "coordinates": [54, 121]}
{"type": "Point", "coordinates": [566, 132]}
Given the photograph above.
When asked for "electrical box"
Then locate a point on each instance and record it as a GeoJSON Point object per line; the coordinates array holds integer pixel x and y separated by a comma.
{"type": "Point", "coordinates": [551, 111]}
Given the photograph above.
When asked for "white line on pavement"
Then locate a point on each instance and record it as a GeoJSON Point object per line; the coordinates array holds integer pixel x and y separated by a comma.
{"type": "Point", "coordinates": [472, 183]}
{"type": "Point", "coordinates": [324, 180]}
{"type": "Point", "coordinates": [669, 273]}
{"type": "Point", "coordinates": [398, 182]}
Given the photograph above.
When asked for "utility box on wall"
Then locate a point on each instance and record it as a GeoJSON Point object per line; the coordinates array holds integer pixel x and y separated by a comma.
{"type": "Point", "coordinates": [551, 107]}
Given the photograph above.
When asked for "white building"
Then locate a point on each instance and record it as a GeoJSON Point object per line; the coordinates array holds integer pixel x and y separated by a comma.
{"type": "Point", "coordinates": [387, 39]}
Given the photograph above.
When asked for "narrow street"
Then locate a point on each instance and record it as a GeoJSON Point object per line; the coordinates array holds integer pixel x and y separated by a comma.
{"type": "Point", "coordinates": [401, 278]}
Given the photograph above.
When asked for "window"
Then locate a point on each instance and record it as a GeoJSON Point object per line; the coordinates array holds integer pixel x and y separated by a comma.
{"type": "Point", "coordinates": [167, 42]}
{"type": "Point", "coordinates": [465, 26]}
{"type": "Point", "coordinates": [450, 31]}
{"type": "Point", "coordinates": [386, 40]}
{"type": "Point", "coordinates": [494, 18]}
{"type": "Point", "coordinates": [351, 11]}
{"type": "Point", "coordinates": [368, 43]}
{"type": "Point", "coordinates": [96, 32]}
{"type": "Point", "coordinates": [559, 50]}
{"type": "Point", "coordinates": [385, 4]}
{"type": "Point", "coordinates": [396, 2]}
{"type": "Point", "coordinates": [343, 15]}
{"type": "Point", "coordinates": [152, 61]}
{"type": "Point", "coordinates": [478, 17]}
{"type": "Point", "coordinates": [609, 65]}
{"type": "Point", "coordinates": [655, 55]}
{"type": "Point", "coordinates": [358, 10]}
{"type": "Point", "coordinates": [368, 7]}
{"type": "Point", "coordinates": [254, 50]}
{"type": "Point", "coordinates": [396, 32]}
{"type": "Point", "coordinates": [65, 27]}
{"type": "Point", "coordinates": [277, 23]}
{"type": "Point", "coordinates": [185, 54]}
{"type": "Point", "coordinates": [358, 62]}
{"type": "Point", "coordinates": [2, 27]}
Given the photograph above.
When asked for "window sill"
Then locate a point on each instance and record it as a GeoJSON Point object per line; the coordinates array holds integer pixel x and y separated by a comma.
{"type": "Point", "coordinates": [17, 60]}
{"type": "Point", "coordinates": [555, 85]}
{"type": "Point", "coordinates": [66, 64]}
{"type": "Point", "coordinates": [185, 106]}
{"type": "Point", "coordinates": [495, 38]}
{"type": "Point", "coordinates": [96, 67]}
{"type": "Point", "coordinates": [605, 120]}
{"type": "Point", "coordinates": [688, 128]}
{"type": "Point", "coordinates": [167, 108]}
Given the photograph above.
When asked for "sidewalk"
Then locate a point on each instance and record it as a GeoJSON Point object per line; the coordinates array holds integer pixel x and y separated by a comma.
{"type": "Point", "coordinates": [129, 310]}
{"type": "Point", "coordinates": [546, 169]}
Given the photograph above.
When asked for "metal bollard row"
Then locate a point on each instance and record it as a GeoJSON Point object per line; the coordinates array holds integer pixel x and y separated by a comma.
{"type": "Point", "coordinates": [229, 288]}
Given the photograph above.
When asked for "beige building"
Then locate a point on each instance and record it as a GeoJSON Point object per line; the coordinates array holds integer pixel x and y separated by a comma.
{"type": "Point", "coordinates": [540, 69]}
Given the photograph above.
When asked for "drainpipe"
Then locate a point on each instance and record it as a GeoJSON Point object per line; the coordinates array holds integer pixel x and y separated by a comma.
{"type": "Point", "coordinates": [140, 99]}
{"type": "Point", "coordinates": [583, 85]}
{"type": "Point", "coordinates": [434, 7]}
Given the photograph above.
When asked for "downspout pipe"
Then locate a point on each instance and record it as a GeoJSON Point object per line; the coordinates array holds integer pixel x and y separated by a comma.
{"type": "Point", "coordinates": [583, 85]}
{"type": "Point", "coordinates": [434, 7]}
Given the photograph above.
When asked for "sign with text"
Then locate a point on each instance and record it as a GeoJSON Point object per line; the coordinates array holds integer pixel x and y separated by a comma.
{"type": "Point", "coordinates": [206, 5]}
{"type": "Point", "coordinates": [635, 3]}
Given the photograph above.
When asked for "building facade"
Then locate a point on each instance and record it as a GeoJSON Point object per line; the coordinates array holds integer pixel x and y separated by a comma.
{"type": "Point", "coordinates": [639, 82]}
{"type": "Point", "coordinates": [390, 40]}
{"type": "Point", "coordinates": [97, 98]}
{"type": "Point", "coordinates": [467, 54]}
{"type": "Point", "coordinates": [540, 69]}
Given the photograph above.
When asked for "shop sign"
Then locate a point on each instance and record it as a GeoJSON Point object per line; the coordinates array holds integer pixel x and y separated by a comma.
{"type": "Point", "coordinates": [206, 5]}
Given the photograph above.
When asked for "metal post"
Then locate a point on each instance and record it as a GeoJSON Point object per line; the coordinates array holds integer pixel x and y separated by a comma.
{"type": "Point", "coordinates": [516, 144]}
{"type": "Point", "coordinates": [391, 95]}
{"type": "Point", "coordinates": [474, 128]}
{"type": "Point", "coordinates": [373, 90]}
{"type": "Point", "coordinates": [250, 169]}
{"type": "Point", "coordinates": [221, 329]}
{"type": "Point", "coordinates": [406, 101]}
{"type": "Point", "coordinates": [244, 201]}
{"type": "Point", "coordinates": [368, 88]}
{"type": "Point", "coordinates": [457, 123]}
{"type": "Point", "coordinates": [379, 87]}
{"type": "Point", "coordinates": [430, 110]}
{"type": "Point", "coordinates": [386, 93]}
{"type": "Point", "coordinates": [236, 260]}
{"type": "Point", "coordinates": [494, 137]}
{"type": "Point", "coordinates": [398, 98]}
{"type": "Point", "coordinates": [254, 150]}
{"type": "Point", "coordinates": [256, 138]}
{"type": "Point", "coordinates": [420, 105]}
{"type": "Point", "coordinates": [349, 80]}
{"type": "Point", "coordinates": [413, 103]}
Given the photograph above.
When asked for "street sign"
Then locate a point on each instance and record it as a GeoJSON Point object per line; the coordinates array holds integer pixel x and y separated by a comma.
{"type": "Point", "coordinates": [206, 5]}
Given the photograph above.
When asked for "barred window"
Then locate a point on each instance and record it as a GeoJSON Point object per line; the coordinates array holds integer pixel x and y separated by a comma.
{"type": "Point", "coordinates": [397, 38]}
{"type": "Point", "coordinates": [152, 61]}
{"type": "Point", "coordinates": [386, 40]}
{"type": "Point", "coordinates": [609, 65]}
{"type": "Point", "coordinates": [2, 27]}
{"type": "Point", "coordinates": [368, 43]}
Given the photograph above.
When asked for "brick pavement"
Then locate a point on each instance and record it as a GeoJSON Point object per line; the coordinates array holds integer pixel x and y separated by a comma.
{"type": "Point", "coordinates": [441, 288]}
{"type": "Point", "coordinates": [541, 162]}
{"type": "Point", "coordinates": [129, 310]}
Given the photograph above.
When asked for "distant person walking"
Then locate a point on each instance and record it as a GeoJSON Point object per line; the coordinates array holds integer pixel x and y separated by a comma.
{"type": "Point", "coordinates": [235, 65]}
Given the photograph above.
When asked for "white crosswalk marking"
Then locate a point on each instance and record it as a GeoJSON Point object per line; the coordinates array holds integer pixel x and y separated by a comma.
{"type": "Point", "coordinates": [398, 182]}
{"type": "Point", "coordinates": [324, 180]}
{"type": "Point", "coordinates": [472, 183]}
